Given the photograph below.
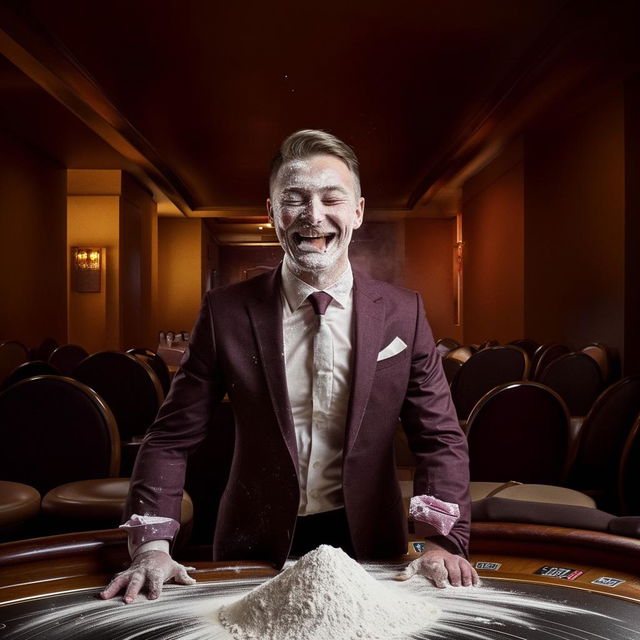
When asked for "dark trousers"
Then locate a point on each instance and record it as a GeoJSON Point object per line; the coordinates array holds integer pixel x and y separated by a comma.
{"type": "Point", "coordinates": [330, 527]}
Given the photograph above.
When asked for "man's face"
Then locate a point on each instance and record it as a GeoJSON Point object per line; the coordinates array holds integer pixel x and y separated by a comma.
{"type": "Point", "coordinates": [314, 210]}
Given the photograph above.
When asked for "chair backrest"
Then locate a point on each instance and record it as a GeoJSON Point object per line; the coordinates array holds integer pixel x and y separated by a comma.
{"type": "Point", "coordinates": [46, 348]}
{"type": "Point", "coordinates": [519, 431]}
{"type": "Point", "coordinates": [56, 430]}
{"type": "Point", "coordinates": [602, 437]}
{"type": "Point", "coordinates": [462, 353]}
{"type": "Point", "coordinates": [545, 354]}
{"type": "Point", "coordinates": [451, 368]}
{"type": "Point", "coordinates": [485, 370]}
{"type": "Point", "coordinates": [444, 345]}
{"type": "Point", "coordinates": [629, 472]}
{"type": "Point", "coordinates": [29, 370]}
{"type": "Point", "coordinates": [576, 377]}
{"type": "Point", "coordinates": [12, 354]}
{"type": "Point", "coordinates": [158, 365]}
{"type": "Point", "coordinates": [487, 344]}
{"type": "Point", "coordinates": [606, 359]}
{"type": "Point", "coordinates": [527, 345]}
{"type": "Point", "coordinates": [129, 387]}
{"type": "Point", "coordinates": [67, 357]}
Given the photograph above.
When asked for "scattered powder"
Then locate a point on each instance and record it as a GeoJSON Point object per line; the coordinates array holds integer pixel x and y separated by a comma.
{"type": "Point", "coordinates": [324, 595]}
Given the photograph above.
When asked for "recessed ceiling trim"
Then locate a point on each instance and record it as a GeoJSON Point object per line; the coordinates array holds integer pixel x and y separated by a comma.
{"type": "Point", "coordinates": [47, 63]}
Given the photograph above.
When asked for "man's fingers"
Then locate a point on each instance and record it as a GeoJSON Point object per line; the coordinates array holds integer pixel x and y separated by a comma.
{"type": "Point", "coordinates": [410, 570]}
{"type": "Point", "coordinates": [133, 589]}
{"type": "Point", "coordinates": [182, 577]}
{"type": "Point", "coordinates": [469, 575]}
{"type": "Point", "coordinates": [114, 587]}
{"type": "Point", "coordinates": [437, 573]}
{"type": "Point", "coordinates": [454, 570]}
{"type": "Point", "coordinates": [155, 580]}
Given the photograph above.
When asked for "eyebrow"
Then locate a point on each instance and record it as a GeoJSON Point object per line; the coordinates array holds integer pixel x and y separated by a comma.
{"type": "Point", "coordinates": [295, 189]}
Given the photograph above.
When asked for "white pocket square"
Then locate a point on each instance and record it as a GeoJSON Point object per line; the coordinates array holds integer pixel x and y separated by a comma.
{"type": "Point", "coordinates": [392, 349]}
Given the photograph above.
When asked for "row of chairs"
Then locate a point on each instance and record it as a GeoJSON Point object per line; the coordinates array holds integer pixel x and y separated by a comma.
{"type": "Point", "coordinates": [576, 376]}
{"type": "Point", "coordinates": [539, 355]}
{"type": "Point", "coordinates": [61, 438]}
{"type": "Point", "coordinates": [522, 431]}
{"type": "Point", "coordinates": [525, 466]}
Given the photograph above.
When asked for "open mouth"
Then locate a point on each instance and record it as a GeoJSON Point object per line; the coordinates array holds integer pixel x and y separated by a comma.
{"type": "Point", "coordinates": [316, 242]}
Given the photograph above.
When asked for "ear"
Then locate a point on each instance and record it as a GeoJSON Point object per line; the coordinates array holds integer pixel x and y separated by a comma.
{"type": "Point", "coordinates": [359, 214]}
{"type": "Point", "coordinates": [270, 210]}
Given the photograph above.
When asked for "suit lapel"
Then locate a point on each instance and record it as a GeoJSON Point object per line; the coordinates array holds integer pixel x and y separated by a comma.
{"type": "Point", "coordinates": [265, 312]}
{"type": "Point", "coordinates": [368, 308]}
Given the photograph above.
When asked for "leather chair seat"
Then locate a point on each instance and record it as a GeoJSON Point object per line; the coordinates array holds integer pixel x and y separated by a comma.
{"type": "Point", "coordinates": [549, 494]}
{"type": "Point", "coordinates": [543, 493]}
{"type": "Point", "coordinates": [99, 500]}
{"type": "Point", "coordinates": [18, 503]}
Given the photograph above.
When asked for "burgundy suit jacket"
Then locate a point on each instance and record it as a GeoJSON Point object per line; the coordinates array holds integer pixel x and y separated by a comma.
{"type": "Point", "coordinates": [236, 347]}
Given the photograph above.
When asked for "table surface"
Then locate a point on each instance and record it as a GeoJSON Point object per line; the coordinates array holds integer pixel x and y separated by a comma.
{"type": "Point", "coordinates": [538, 583]}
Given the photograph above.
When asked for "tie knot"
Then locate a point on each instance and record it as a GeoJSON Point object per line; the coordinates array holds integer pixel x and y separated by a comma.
{"type": "Point", "coordinates": [320, 300]}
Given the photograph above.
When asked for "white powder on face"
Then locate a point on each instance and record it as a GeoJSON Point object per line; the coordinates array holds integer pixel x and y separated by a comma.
{"type": "Point", "coordinates": [324, 595]}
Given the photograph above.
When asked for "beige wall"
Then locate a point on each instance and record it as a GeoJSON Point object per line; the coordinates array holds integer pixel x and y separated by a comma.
{"type": "Point", "coordinates": [429, 262]}
{"type": "Point", "coordinates": [109, 209]}
{"type": "Point", "coordinates": [575, 246]}
{"type": "Point", "coordinates": [180, 266]}
{"type": "Point", "coordinates": [94, 318]}
{"type": "Point", "coordinates": [493, 235]}
{"type": "Point", "coordinates": [33, 289]}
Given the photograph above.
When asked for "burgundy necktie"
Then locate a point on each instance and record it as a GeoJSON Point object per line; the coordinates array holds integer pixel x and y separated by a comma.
{"type": "Point", "coordinates": [322, 358]}
{"type": "Point", "coordinates": [320, 300]}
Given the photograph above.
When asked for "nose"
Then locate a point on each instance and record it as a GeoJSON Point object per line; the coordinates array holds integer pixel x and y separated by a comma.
{"type": "Point", "coordinates": [314, 213]}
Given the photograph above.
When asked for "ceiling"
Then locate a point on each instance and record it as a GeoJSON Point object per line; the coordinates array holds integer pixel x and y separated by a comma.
{"type": "Point", "coordinates": [193, 96]}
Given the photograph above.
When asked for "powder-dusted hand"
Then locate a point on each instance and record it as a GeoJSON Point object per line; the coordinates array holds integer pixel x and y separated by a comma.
{"type": "Point", "coordinates": [442, 568]}
{"type": "Point", "coordinates": [149, 570]}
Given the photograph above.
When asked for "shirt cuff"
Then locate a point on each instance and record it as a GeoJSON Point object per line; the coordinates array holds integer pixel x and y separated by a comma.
{"type": "Point", "coordinates": [154, 545]}
{"type": "Point", "coordinates": [141, 529]}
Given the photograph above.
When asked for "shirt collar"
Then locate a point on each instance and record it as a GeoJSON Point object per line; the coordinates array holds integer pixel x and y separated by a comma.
{"type": "Point", "coordinates": [296, 291]}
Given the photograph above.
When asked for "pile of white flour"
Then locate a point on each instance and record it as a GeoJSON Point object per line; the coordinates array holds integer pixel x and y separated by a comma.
{"type": "Point", "coordinates": [326, 595]}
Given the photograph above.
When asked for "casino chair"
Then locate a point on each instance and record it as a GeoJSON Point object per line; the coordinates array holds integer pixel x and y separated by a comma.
{"type": "Point", "coordinates": [576, 378]}
{"type": "Point", "coordinates": [158, 365]}
{"type": "Point", "coordinates": [498, 509]}
{"type": "Point", "coordinates": [60, 438]}
{"type": "Point", "coordinates": [19, 507]}
{"type": "Point", "coordinates": [527, 345]}
{"type": "Point", "coordinates": [130, 389]}
{"type": "Point", "coordinates": [600, 443]}
{"type": "Point", "coordinates": [519, 431]}
{"type": "Point", "coordinates": [67, 357]}
{"type": "Point", "coordinates": [545, 354]}
{"type": "Point", "coordinates": [12, 354]}
{"type": "Point", "coordinates": [55, 430]}
{"type": "Point", "coordinates": [444, 345]}
{"type": "Point", "coordinates": [629, 472]}
{"type": "Point", "coordinates": [453, 360]}
{"type": "Point", "coordinates": [29, 370]}
{"type": "Point", "coordinates": [485, 370]}
{"type": "Point", "coordinates": [45, 349]}
{"type": "Point", "coordinates": [606, 359]}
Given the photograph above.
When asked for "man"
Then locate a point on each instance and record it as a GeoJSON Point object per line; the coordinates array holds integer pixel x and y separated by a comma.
{"type": "Point", "coordinates": [317, 384]}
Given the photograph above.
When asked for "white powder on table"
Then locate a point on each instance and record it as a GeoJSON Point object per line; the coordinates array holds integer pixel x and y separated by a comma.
{"type": "Point", "coordinates": [324, 595]}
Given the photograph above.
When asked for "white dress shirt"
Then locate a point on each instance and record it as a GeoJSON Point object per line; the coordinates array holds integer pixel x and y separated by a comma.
{"type": "Point", "coordinates": [320, 430]}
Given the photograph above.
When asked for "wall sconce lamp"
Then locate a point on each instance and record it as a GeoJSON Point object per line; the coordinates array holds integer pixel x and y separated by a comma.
{"type": "Point", "coordinates": [86, 267]}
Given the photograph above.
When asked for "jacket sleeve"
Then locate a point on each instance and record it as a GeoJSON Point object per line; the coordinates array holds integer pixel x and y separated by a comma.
{"type": "Point", "coordinates": [434, 435]}
{"type": "Point", "coordinates": [182, 422]}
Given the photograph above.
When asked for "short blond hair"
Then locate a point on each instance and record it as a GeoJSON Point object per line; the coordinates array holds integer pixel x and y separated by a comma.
{"type": "Point", "coordinates": [312, 142]}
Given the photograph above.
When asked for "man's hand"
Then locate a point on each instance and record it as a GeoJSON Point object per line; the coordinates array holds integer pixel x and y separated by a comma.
{"type": "Point", "coordinates": [442, 568]}
{"type": "Point", "coordinates": [150, 569]}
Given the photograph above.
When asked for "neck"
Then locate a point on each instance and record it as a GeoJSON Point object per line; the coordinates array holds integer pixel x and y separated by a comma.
{"type": "Point", "coordinates": [319, 279]}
